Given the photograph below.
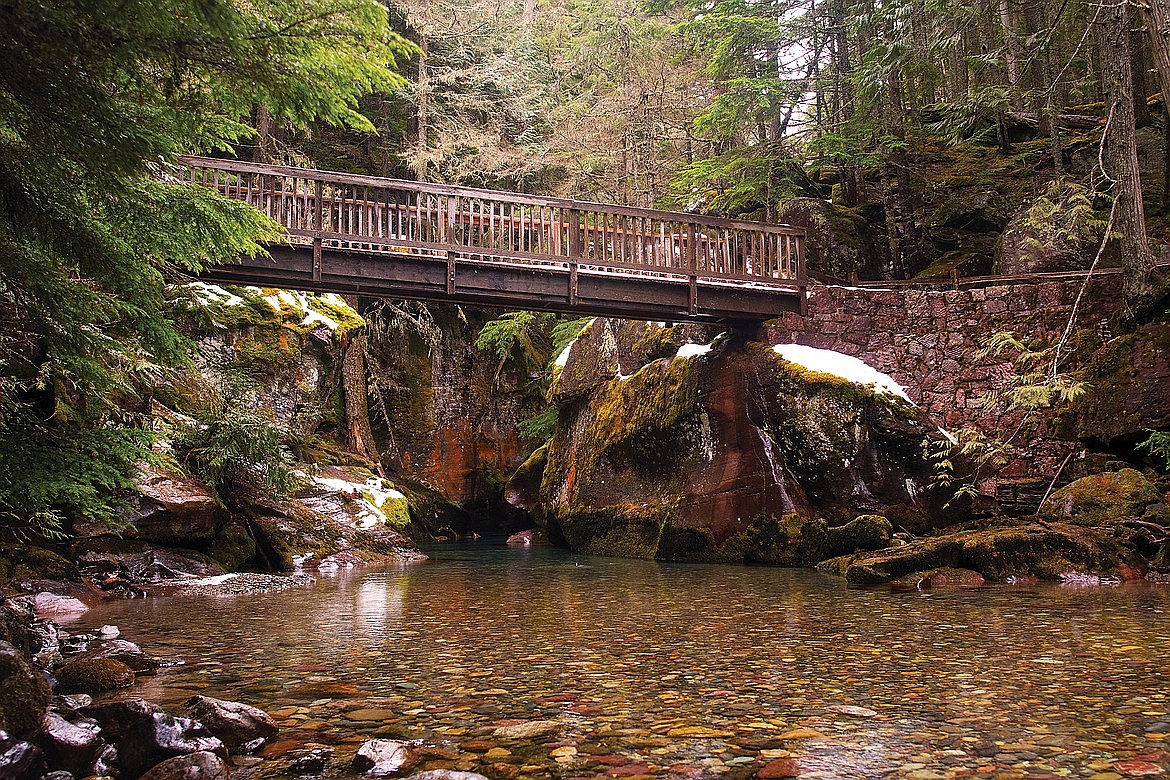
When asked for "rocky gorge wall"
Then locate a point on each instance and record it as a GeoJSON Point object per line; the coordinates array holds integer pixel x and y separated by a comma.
{"type": "Point", "coordinates": [927, 341]}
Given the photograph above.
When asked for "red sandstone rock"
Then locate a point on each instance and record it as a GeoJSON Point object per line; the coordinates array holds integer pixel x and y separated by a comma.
{"type": "Point", "coordinates": [779, 768]}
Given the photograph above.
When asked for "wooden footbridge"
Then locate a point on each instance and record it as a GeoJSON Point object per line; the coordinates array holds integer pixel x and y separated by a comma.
{"type": "Point", "coordinates": [385, 237]}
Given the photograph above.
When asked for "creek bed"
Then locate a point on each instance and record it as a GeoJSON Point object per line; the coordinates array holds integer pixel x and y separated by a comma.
{"type": "Point", "coordinates": [670, 670]}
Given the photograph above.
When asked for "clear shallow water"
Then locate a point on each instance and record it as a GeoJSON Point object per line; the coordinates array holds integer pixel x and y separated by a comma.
{"type": "Point", "coordinates": [680, 670]}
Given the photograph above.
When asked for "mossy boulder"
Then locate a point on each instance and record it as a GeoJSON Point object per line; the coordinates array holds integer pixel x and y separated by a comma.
{"type": "Point", "coordinates": [1128, 389]}
{"type": "Point", "coordinates": [840, 241]}
{"type": "Point", "coordinates": [26, 562]}
{"type": "Point", "coordinates": [730, 453]}
{"type": "Point", "coordinates": [233, 546]}
{"type": "Point", "coordinates": [1102, 499]}
{"type": "Point", "coordinates": [24, 693]}
{"type": "Point", "coordinates": [1048, 233]}
{"type": "Point", "coordinates": [979, 211]}
{"type": "Point", "coordinates": [523, 488]}
{"type": "Point", "coordinates": [1047, 551]}
{"type": "Point", "coordinates": [93, 676]}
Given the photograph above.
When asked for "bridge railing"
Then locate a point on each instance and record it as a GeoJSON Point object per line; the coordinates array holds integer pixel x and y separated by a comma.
{"type": "Point", "coordinates": [355, 212]}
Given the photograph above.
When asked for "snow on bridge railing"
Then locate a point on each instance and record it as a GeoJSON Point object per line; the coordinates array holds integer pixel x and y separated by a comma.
{"type": "Point", "coordinates": [389, 215]}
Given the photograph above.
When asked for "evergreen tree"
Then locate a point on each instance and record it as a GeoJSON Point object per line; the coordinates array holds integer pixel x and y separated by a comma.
{"type": "Point", "coordinates": [97, 98]}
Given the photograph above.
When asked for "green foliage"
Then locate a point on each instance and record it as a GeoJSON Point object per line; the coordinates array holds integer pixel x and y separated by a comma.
{"type": "Point", "coordinates": [1035, 383]}
{"type": "Point", "coordinates": [1061, 217]}
{"type": "Point", "coordinates": [97, 98]}
{"type": "Point", "coordinates": [1157, 445]}
{"type": "Point", "coordinates": [63, 475]}
{"type": "Point", "coordinates": [228, 445]}
{"type": "Point", "coordinates": [540, 427]}
{"type": "Point", "coordinates": [521, 337]}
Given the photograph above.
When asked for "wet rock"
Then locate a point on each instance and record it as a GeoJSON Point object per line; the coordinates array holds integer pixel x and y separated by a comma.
{"type": "Point", "coordinates": [194, 766]}
{"type": "Point", "coordinates": [24, 694]}
{"type": "Point", "coordinates": [531, 536]}
{"type": "Point", "coordinates": [1102, 499]}
{"type": "Point", "coordinates": [123, 651]}
{"type": "Point", "coordinates": [159, 737]}
{"type": "Point", "coordinates": [71, 704]}
{"type": "Point", "coordinates": [237, 725]}
{"type": "Point", "coordinates": [380, 757]}
{"type": "Point", "coordinates": [113, 561]}
{"type": "Point", "coordinates": [310, 762]}
{"type": "Point", "coordinates": [532, 729]}
{"type": "Point", "coordinates": [172, 508]}
{"type": "Point", "coordinates": [94, 676]}
{"type": "Point", "coordinates": [446, 774]}
{"type": "Point", "coordinates": [118, 717]}
{"type": "Point", "coordinates": [74, 747]}
{"type": "Point", "coordinates": [51, 605]}
{"type": "Point", "coordinates": [19, 759]}
{"type": "Point", "coordinates": [779, 768]}
{"type": "Point", "coordinates": [1046, 551]}
{"type": "Point", "coordinates": [61, 774]}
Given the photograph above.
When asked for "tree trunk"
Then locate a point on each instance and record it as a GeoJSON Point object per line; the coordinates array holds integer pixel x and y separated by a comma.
{"type": "Point", "coordinates": [422, 90]}
{"type": "Point", "coordinates": [1112, 33]}
{"type": "Point", "coordinates": [1007, 22]}
{"type": "Point", "coordinates": [355, 390]}
{"type": "Point", "coordinates": [359, 435]}
{"type": "Point", "coordinates": [1156, 15]}
{"type": "Point", "coordinates": [1141, 81]}
{"type": "Point", "coordinates": [262, 151]}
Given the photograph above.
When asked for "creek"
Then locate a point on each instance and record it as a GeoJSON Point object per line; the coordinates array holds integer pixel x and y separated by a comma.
{"type": "Point", "coordinates": [676, 670]}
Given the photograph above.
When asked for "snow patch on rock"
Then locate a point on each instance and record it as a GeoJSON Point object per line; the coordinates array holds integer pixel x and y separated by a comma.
{"type": "Point", "coordinates": [693, 350]}
{"type": "Point", "coordinates": [847, 367]}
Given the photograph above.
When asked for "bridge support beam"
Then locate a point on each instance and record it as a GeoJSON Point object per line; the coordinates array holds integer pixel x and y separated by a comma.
{"type": "Point", "coordinates": [536, 287]}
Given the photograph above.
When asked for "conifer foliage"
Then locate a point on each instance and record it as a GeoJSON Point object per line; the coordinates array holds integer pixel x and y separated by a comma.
{"type": "Point", "coordinates": [97, 98]}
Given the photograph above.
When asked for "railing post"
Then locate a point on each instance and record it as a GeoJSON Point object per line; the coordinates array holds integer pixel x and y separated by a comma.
{"type": "Point", "coordinates": [693, 267]}
{"type": "Point", "coordinates": [576, 252]}
{"type": "Point", "coordinates": [801, 274]}
{"type": "Point", "coordinates": [318, 223]}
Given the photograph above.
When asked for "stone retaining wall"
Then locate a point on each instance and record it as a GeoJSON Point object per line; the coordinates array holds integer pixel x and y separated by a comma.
{"type": "Point", "coordinates": [925, 340]}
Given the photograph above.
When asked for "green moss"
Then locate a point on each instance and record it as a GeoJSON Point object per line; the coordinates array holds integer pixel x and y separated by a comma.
{"type": "Point", "coordinates": [865, 532]}
{"type": "Point", "coordinates": [624, 530]}
{"type": "Point", "coordinates": [657, 343]}
{"type": "Point", "coordinates": [93, 676]}
{"type": "Point", "coordinates": [232, 547]}
{"type": "Point", "coordinates": [997, 552]}
{"type": "Point", "coordinates": [1102, 499]}
{"type": "Point", "coordinates": [267, 350]}
{"type": "Point", "coordinates": [1109, 409]}
{"type": "Point", "coordinates": [346, 318]}
{"type": "Point", "coordinates": [25, 562]}
{"type": "Point", "coordinates": [24, 694]}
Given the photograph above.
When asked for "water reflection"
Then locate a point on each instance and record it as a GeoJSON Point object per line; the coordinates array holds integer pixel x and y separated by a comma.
{"type": "Point", "coordinates": [698, 668]}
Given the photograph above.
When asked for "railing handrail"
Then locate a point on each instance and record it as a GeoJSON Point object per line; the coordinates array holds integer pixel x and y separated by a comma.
{"type": "Point", "coordinates": [338, 177]}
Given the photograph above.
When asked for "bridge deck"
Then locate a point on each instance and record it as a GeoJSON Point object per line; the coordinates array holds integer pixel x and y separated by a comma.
{"type": "Point", "coordinates": [374, 236]}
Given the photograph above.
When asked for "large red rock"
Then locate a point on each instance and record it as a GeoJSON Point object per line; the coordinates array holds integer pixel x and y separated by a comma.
{"type": "Point", "coordinates": [729, 454]}
{"type": "Point", "coordinates": [173, 508]}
